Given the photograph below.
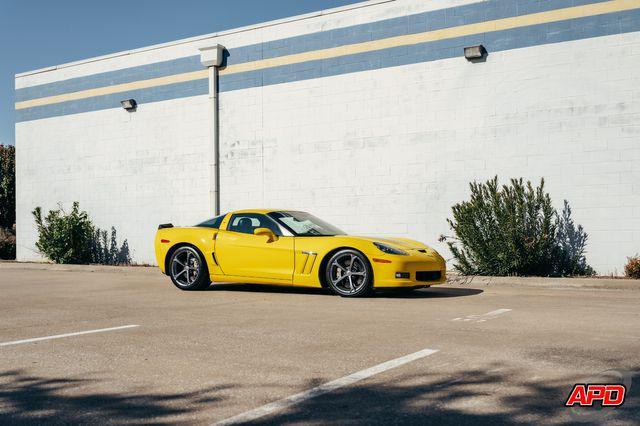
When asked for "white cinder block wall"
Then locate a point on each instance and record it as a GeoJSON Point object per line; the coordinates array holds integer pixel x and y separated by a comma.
{"type": "Point", "coordinates": [375, 149]}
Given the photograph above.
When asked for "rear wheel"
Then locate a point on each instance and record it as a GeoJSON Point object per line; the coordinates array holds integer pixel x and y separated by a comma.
{"type": "Point", "coordinates": [349, 274]}
{"type": "Point", "coordinates": [188, 270]}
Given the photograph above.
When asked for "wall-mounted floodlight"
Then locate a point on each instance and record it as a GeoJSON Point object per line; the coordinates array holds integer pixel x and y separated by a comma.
{"type": "Point", "coordinates": [129, 104]}
{"type": "Point", "coordinates": [212, 56]}
{"type": "Point", "coordinates": [475, 53]}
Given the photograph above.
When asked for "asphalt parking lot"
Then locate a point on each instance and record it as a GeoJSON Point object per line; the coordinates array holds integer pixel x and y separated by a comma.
{"type": "Point", "coordinates": [128, 347]}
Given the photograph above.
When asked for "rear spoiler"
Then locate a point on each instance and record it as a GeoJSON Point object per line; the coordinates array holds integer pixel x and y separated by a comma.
{"type": "Point", "coordinates": [165, 225]}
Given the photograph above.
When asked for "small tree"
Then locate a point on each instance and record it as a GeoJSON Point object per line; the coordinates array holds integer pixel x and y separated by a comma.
{"type": "Point", "coordinates": [7, 243]}
{"type": "Point", "coordinates": [7, 202]}
{"type": "Point", "coordinates": [7, 186]}
{"type": "Point", "coordinates": [514, 230]}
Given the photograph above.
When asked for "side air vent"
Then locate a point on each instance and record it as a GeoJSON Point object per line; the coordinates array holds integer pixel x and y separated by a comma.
{"type": "Point", "coordinates": [309, 260]}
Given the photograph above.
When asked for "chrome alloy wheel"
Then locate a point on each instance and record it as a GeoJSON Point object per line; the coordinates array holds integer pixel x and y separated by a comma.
{"type": "Point", "coordinates": [348, 273]}
{"type": "Point", "coordinates": [185, 267]}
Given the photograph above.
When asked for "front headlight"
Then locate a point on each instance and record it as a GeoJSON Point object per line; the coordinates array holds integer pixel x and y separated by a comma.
{"type": "Point", "coordinates": [390, 250]}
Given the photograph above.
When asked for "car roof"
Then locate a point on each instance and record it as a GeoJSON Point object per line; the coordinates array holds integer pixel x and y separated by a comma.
{"type": "Point", "coordinates": [262, 211]}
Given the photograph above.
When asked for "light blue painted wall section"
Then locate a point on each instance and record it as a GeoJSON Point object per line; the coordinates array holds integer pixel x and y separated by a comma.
{"type": "Point", "coordinates": [427, 21]}
{"type": "Point", "coordinates": [411, 24]}
{"type": "Point", "coordinates": [127, 75]}
{"type": "Point", "coordinates": [601, 25]}
{"type": "Point", "coordinates": [576, 29]}
{"type": "Point", "coordinates": [142, 96]}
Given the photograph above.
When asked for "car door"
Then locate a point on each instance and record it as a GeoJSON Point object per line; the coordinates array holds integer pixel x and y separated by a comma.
{"type": "Point", "coordinates": [241, 253]}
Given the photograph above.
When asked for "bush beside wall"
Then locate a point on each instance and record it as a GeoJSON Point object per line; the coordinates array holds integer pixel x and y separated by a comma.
{"type": "Point", "coordinates": [514, 230]}
{"type": "Point", "coordinates": [72, 238]}
{"type": "Point", "coordinates": [632, 268]}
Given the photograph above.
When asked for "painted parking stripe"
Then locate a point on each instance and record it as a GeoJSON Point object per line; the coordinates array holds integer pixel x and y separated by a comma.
{"type": "Point", "coordinates": [60, 336]}
{"type": "Point", "coordinates": [325, 388]}
{"type": "Point", "coordinates": [484, 317]}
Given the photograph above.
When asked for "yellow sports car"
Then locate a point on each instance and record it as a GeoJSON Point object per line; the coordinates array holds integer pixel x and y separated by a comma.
{"type": "Point", "coordinates": [291, 248]}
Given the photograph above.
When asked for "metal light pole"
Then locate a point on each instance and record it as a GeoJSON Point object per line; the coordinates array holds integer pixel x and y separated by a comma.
{"type": "Point", "coordinates": [211, 57]}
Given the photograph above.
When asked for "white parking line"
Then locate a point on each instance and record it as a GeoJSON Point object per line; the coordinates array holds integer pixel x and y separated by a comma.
{"type": "Point", "coordinates": [59, 336]}
{"type": "Point", "coordinates": [483, 318]}
{"type": "Point", "coordinates": [325, 388]}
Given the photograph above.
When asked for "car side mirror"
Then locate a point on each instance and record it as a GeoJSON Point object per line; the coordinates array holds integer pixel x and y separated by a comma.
{"type": "Point", "coordinates": [267, 232]}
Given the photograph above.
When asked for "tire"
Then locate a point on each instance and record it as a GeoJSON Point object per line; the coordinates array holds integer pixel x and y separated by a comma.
{"type": "Point", "coordinates": [188, 270]}
{"type": "Point", "coordinates": [341, 269]}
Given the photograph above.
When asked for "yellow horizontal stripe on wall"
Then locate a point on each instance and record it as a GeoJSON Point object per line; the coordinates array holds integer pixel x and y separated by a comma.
{"type": "Point", "coordinates": [446, 33]}
{"type": "Point", "coordinates": [107, 90]}
{"type": "Point", "coordinates": [369, 46]}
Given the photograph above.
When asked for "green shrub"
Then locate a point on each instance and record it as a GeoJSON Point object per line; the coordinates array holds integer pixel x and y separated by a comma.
{"type": "Point", "coordinates": [632, 268]}
{"type": "Point", "coordinates": [514, 230]}
{"type": "Point", "coordinates": [72, 238]}
{"type": "Point", "coordinates": [7, 243]}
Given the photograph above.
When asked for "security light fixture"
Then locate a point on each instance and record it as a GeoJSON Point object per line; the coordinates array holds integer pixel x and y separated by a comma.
{"type": "Point", "coordinates": [129, 104]}
{"type": "Point", "coordinates": [212, 56]}
{"type": "Point", "coordinates": [474, 53]}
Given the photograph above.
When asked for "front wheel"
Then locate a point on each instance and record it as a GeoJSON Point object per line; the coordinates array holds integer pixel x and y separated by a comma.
{"type": "Point", "coordinates": [349, 274]}
{"type": "Point", "coordinates": [188, 270]}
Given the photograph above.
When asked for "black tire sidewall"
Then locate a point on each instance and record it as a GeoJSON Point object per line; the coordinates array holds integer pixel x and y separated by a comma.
{"type": "Point", "coordinates": [366, 289]}
{"type": "Point", "coordinates": [203, 274]}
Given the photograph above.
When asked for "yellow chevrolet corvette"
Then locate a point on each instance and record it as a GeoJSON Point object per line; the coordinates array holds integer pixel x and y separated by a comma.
{"type": "Point", "coordinates": [291, 248]}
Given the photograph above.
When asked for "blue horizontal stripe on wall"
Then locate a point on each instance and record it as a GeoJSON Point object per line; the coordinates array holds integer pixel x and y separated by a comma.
{"type": "Point", "coordinates": [600, 25]}
{"type": "Point", "coordinates": [142, 96]}
{"type": "Point", "coordinates": [127, 75]}
{"type": "Point", "coordinates": [411, 24]}
{"type": "Point", "coordinates": [426, 21]}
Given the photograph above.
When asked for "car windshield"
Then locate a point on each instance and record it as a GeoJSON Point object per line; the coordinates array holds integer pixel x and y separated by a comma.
{"type": "Point", "coordinates": [305, 224]}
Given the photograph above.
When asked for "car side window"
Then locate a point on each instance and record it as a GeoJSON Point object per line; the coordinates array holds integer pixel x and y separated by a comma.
{"type": "Point", "coordinates": [246, 223]}
{"type": "Point", "coordinates": [212, 223]}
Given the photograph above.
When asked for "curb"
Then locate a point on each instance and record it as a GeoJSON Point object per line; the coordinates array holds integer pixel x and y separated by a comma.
{"type": "Point", "coordinates": [13, 265]}
{"type": "Point", "coordinates": [546, 282]}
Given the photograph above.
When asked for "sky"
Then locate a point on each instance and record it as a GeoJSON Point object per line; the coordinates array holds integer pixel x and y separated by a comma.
{"type": "Point", "coordinates": [40, 33]}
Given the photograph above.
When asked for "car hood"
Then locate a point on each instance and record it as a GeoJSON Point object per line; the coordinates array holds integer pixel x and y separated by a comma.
{"type": "Point", "coordinates": [402, 243]}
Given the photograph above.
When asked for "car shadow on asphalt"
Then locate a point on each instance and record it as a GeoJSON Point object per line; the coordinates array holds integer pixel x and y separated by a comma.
{"type": "Point", "coordinates": [425, 293]}
{"type": "Point", "coordinates": [430, 293]}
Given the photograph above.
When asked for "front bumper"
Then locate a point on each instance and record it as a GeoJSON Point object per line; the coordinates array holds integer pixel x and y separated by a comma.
{"type": "Point", "coordinates": [415, 270]}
